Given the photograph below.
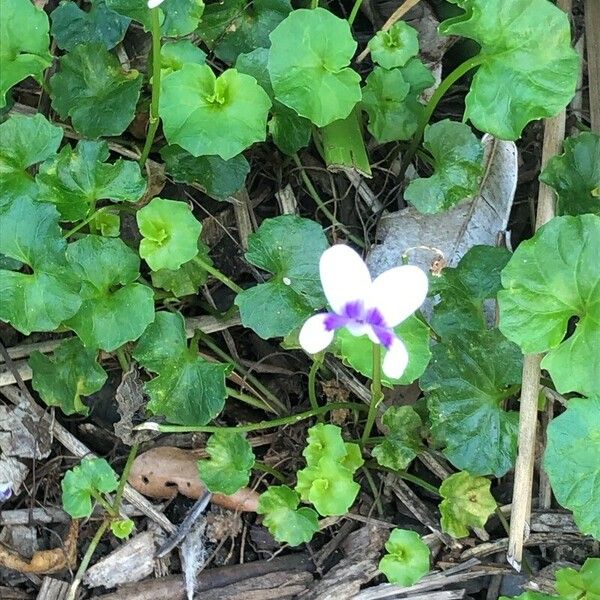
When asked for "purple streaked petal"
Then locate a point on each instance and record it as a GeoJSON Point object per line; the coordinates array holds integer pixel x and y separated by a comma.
{"type": "Point", "coordinates": [333, 321]}
{"type": "Point", "coordinates": [395, 360]}
{"type": "Point", "coordinates": [374, 318]}
{"type": "Point", "coordinates": [353, 310]}
{"type": "Point", "coordinates": [385, 336]}
{"type": "Point", "coordinates": [314, 335]}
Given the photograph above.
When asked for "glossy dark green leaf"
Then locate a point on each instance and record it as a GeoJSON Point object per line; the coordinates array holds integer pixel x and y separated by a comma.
{"type": "Point", "coordinates": [218, 178]}
{"type": "Point", "coordinates": [402, 442]}
{"type": "Point", "coordinates": [466, 383]}
{"type": "Point", "coordinates": [187, 389]}
{"type": "Point", "coordinates": [75, 180]}
{"type": "Point", "coordinates": [289, 247]}
{"type": "Point", "coordinates": [515, 82]}
{"type": "Point", "coordinates": [24, 141]}
{"type": "Point", "coordinates": [115, 308]}
{"type": "Point", "coordinates": [458, 168]}
{"type": "Point", "coordinates": [70, 373]}
{"type": "Point", "coordinates": [94, 90]}
{"type": "Point", "coordinates": [575, 175]}
{"type": "Point", "coordinates": [72, 26]}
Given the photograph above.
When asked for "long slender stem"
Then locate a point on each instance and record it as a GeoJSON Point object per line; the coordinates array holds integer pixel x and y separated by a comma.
{"type": "Point", "coordinates": [290, 420]}
{"type": "Point", "coordinates": [154, 103]}
{"type": "Point", "coordinates": [354, 11]}
{"type": "Point", "coordinates": [407, 477]}
{"type": "Point", "coordinates": [315, 196]}
{"type": "Point", "coordinates": [374, 490]}
{"type": "Point", "coordinates": [83, 223]}
{"type": "Point", "coordinates": [122, 360]}
{"type": "Point", "coordinates": [444, 86]}
{"type": "Point", "coordinates": [376, 394]}
{"type": "Point", "coordinates": [124, 477]}
{"type": "Point", "coordinates": [259, 466]}
{"type": "Point", "coordinates": [86, 560]}
{"type": "Point", "coordinates": [247, 399]}
{"type": "Point", "coordinates": [312, 385]}
{"type": "Point", "coordinates": [234, 287]}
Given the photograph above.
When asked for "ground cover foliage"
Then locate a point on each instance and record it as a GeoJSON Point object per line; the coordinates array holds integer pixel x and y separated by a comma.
{"type": "Point", "coordinates": [145, 154]}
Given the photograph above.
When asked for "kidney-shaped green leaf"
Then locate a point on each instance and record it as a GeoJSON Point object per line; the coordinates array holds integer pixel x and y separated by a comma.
{"type": "Point", "coordinates": [580, 585]}
{"type": "Point", "coordinates": [94, 90]}
{"type": "Point", "coordinates": [24, 42]}
{"type": "Point", "coordinates": [516, 82]}
{"type": "Point", "coordinates": [308, 63]}
{"type": "Point", "coordinates": [458, 158]}
{"type": "Point", "coordinates": [115, 309]}
{"type": "Point", "coordinates": [575, 175]}
{"type": "Point", "coordinates": [42, 300]}
{"type": "Point", "coordinates": [571, 461]}
{"type": "Point", "coordinates": [208, 115]}
{"type": "Point", "coordinates": [394, 47]}
{"type": "Point", "coordinates": [550, 279]}
{"type": "Point", "coordinates": [75, 180]}
{"type": "Point", "coordinates": [407, 558]}
{"type": "Point", "coordinates": [466, 383]}
{"type": "Point", "coordinates": [289, 247]}
{"type": "Point", "coordinates": [402, 442]}
{"type": "Point", "coordinates": [187, 389]}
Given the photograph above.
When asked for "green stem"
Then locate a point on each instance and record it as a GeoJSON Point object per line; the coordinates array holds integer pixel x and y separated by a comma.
{"type": "Point", "coordinates": [104, 503]}
{"type": "Point", "coordinates": [259, 466]}
{"type": "Point", "coordinates": [234, 287]}
{"type": "Point", "coordinates": [154, 103]}
{"type": "Point", "coordinates": [245, 373]}
{"type": "Point", "coordinates": [124, 477]}
{"type": "Point", "coordinates": [314, 4]}
{"type": "Point", "coordinates": [376, 394]}
{"type": "Point", "coordinates": [374, 490]}
{"type": "Point", "coordinates": [354, 11]}
{"type": "Point", "coordinates": [123, 362]}
{"type": "Point", "coordinates": [315, 196]}
{"type": "Point", "coordinates": [89, 219]}
{"type": "Point", "coordinates": [444, 86]}
{"type": "Point", "coordinates": [406, 476]}
{"type": "Point", "coordinates": [312, 385]}
{"type": "Point", "coordinates": [289, 420]}
{"type": "Point", "coordinates": [247, 399]}
{"type": "Point", "coordinates": [86, 560]}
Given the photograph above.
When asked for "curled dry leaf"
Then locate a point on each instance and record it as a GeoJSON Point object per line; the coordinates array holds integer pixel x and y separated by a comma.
{"type": "Point", "coordinates": [165, 471]}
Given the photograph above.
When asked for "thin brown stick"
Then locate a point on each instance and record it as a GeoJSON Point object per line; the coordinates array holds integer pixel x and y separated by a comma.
{"type": "Point", "coordinates": [554, 134]}
{"type": "Point", "coordinates": [592, 34]}
{"type": "Point", "coordinates": [394, 17]}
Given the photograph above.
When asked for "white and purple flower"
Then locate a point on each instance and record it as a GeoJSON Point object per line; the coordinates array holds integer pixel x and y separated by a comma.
{"type": "Point", "coordinates": [365, 306]}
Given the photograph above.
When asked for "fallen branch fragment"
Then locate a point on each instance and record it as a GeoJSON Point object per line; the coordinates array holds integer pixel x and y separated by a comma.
{"type": "Point", "coordinates": [592, 34]}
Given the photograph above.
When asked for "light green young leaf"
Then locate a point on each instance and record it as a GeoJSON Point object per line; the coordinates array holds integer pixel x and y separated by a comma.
{"type": "Point", "coordinates": [115, 309]}
{"type": "Point", "coordinates": [324, 440]}
{"type": "Point", "coordinates": [188, 390]}
{"type": "Point", "coordinates": [92, 475]}
{"type": "Point", "coordinates": [463, 289]}
{"type": "Point", "coordinates": [357, 351]}
{"type": "Point", "coordinates": [218, 178]}
{"type": "Point", "coordinates": [571, 461]}
{"type": "Point", "coordinates": [93, 90]}
{"type": "Point", "coordinates": [198, 110]}
{"type": "Point", "coordinates": [391, 99]}
{"type": "Point", "coordinates": [550, 279]}
{"type": "Point", "coordinates": [42, 300]}
{"type": "Point", "coordinates": [407, 559]}
{"type": "Point", "coordinates": [286, 522]}
{"type": "Point", "coordinates": [75, 180]}
{"type": "Point", "coordinates": [515, 83]}
{"type": "Point", "coordinates": [308, 64]}
{"type": "Point", "coordinates": [328, 486]}
{"type": "Point", "coordinates": [72, 26]}
{"type": "Point", "coordinates": [177, 17]}
{"type": "Point", "coordinates": [395, 47]}
{"type": "Point", "coordinates": [458, 158]}
{"type": "Point", "coordinates": [234, 27]}
{"type": "Point", "coordinates": [173, 55]}
{"type": "Point", "coordinates": [108, 222]}
{"type": "Point", "coordinates": [580, 585]}
{"type": "Point", "coordinates": [466, 384]}
{"type": "Point", "coordinates": [72, 372]}
{"type": "Point", "coordinates": [402, 442]}
{"type": "Point", "coordinates": [187, 279]}
{"type": "Point", "coordinates": [289, 130]}
{"type": "Point", "coordinates": [122, 528]}
{"type": "Point", "coordinates": [289, 247]}
{"type": "Point", "coordinates": [575, 175]}
{"type": "Point", "coordinates": [230, 463]}
{"type": "Point", "coordinates": [467, 502]}
{"type": "Point", "coordinates": [170, 233]}
{"type": "Point", "coordinates": [24, 43]}
{"type": "Point", "coordinates": [24, 141]}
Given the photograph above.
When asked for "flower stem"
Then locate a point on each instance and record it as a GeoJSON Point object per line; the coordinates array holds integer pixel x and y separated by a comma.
{"type": "Point", "coordinates": [354, 11]}
{"type": "Point", "coordinates": [289, 420]}
{"type": "Point", "coordinates": [154, 103]}
{"type": "Point", "coordinates": [312, 385]}
{"type": "Point", "coordinates": [376, 394]}
{"type": "Point", "coordinates": [444, 86]}
{"type": "Point", "coordinates": [234, 287]}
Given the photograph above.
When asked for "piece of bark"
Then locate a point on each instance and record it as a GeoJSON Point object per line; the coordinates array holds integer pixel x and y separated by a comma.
{"type": "Point", "coordinates": [173, 587]}
{"type": "Point", "coordinates": [12, 593]}
{"type": "Point", "coordinates": [52, 589]}
{"type": "Point", "coordinates": [351, 573]}
{"type": "Point", "coordinates": [592, 32]}
{"type": "Point", "coordinates": [274, 586]}
{"type": "Point", "coordinates": [552, 521]}
{"type": "Point", "coordinates": [133, 561]}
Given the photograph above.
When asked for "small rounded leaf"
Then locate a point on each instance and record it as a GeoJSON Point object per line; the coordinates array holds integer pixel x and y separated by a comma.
{"type": "Point", "coordinates": [393, 48]}
{"type": "Point", "coordinates": [407, 559]}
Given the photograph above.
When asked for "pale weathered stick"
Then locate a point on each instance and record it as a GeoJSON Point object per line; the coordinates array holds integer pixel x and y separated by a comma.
{"type": "Point", "coordinates": [592, 36]}
{"type": "Point", "coordinates": [395, 16]}
{"type": "Point", "coordinates": [554, 134]}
